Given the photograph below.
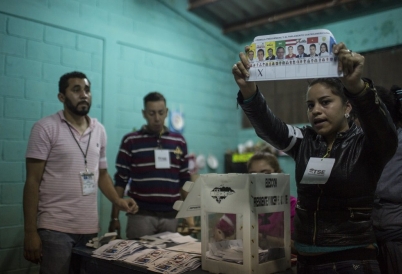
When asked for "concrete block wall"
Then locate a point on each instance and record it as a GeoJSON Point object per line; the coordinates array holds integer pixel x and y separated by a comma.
{"type": "Point", "coordinates": [127, 48]}
{"type": "Point", "coordinates": [33, 56]}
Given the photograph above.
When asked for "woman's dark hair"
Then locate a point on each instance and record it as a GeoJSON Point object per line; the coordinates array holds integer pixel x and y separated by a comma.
{"type": "Point", "coordinates": [334, 84]}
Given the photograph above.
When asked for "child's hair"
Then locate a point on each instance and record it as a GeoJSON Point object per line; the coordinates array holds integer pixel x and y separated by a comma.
{"type": "Point", "coordinates": [267, 155]}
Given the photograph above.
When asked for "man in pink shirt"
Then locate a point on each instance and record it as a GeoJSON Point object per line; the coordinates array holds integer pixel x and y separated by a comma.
{"type": "Point", "coordinates": [65, 164]}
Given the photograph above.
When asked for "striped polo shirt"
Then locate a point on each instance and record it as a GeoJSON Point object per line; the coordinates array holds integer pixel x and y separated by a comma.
{"type": "Point", "coordinates": [62, 205]}
{"type": "Point", "coordinates": [153, 189]}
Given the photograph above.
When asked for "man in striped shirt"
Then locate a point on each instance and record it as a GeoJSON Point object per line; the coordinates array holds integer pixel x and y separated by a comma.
{"type": "Point", "coordinates": [153, 161]}
{"type": "Point", "coordinates": [65, 163]}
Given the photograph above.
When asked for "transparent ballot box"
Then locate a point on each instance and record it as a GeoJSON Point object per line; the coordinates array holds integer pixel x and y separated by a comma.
{"type": "Point", "coordinates": [245, 223]}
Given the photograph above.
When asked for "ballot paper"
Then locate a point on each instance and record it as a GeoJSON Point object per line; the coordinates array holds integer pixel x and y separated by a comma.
{"type": "Point", "coordinates": [191, 247]}
{"type": "Point", "coordinates": [232, 251]}
{"type": "Point", "coordinates": [154, 259]}
{"type": "Point", "coordinates": [293, 55]}
{"type": "Point", "coordinates": [117, 249]}
{"type": "Point", "coordinates": [174, 237]}
{"type": "Point", "coordinates": [176, 262]}
{"type": "Point", "coordinates": [164, 261]}
{"type": "Point", "coordinates": [145, 257]}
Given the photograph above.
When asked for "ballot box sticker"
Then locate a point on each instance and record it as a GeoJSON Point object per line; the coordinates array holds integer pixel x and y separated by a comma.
{"type": "Point", "coordinates": [221, 193]}
{"type": "Point", "coordinates": [271, 200]}
{"type": "Point", "coordinates": [271, 182]}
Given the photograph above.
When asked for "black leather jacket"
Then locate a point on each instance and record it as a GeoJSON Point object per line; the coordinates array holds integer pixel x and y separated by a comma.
{"type": "Point", "coordinates": [336, 213]}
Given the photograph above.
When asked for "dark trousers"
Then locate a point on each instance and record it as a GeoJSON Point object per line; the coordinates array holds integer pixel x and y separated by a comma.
{"type": "Point", "coordinates": [356, 261]}
{"type": "Point", "coordinates": [390, 257]}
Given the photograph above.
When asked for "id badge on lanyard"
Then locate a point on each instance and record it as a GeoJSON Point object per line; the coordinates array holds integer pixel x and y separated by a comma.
{"type": "Point", "coordinates": [88, 182]}
{"type": "Point", "coordinates": [162, 158]}
{"type": "Point", "coordinates": [318, 170]}
{"type": "Point", "coordinates": [87, 177]}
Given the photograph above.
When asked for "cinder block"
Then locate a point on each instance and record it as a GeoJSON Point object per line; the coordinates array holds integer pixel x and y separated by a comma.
{"type": "Point", "coordinates": [11, 172]}
{"type": "Point", "coordinates": [2, 64]}
{"type": "Point", "coordinates": [125, 119]}
{"type": "Point", "coordinates": [97, 63]}
{"type": "Point", "coordinates": [11, 193]}
{"type": "Point", "coordinates": [139, 102]}
{"type": "Point", "coordinates": [24, 28]}
{"type": "Point", "coordinates": [3, 23]}
{"type": "Point", "coordinates": [51, 108]}
{"type": "Point", "coordinates": [75, 58]}
{"type": "Point", "coordinates": [39, 3]}
{"type": "Point", "coordinates": [11, 215]}
{"type": "Point", "coordinates": [43, 52]}
{"type": "Point", "coordinates": [90, 44]}
{"type": "Point", "coordinates": [93, 14]}
{"type": "Point", "coordinates": [115, 6]}
{"type": "Point", "coordinates": [71, 8]}
{"type": "Point", "coordinates": [132, 7]}
{"type": "Point", "coordinates": [60, 37]}
{"type": "Point", "coordinates": [39, 90]}
{"type": "Point", "coordinates": [52, 73]}
{"type": "Point", "coordinates": [1, 107]}
{"type": "Point", "coordinates": [89, 2]}
{"type": "Point", "coordinates": [11, 86]}
{"type": "Point", "coordinates": [27, 128]}
{"type": "Point", "coordinates": [9, 259]}
{"type": "Point", "coordinates": [12, 45]}
{"type": "Point", "coordinates": [13, 108]}
{"type": "Point", "coordinates": [14, 150]}
{"type": "Point", "coordinates": [12, 236]}
{"type": "Point", "coordinates": [125, 85]}
{"type": "Point", "coordinates": [127, 69]}
{"type": "Point", "coordinates": [11, 129]}
{"type": "Point", "coordinates": [130, 53]}
{"type": "Point", "coordinates": [125, 102]}
{"type": "Point", "coordinates": [121, 21]}
{"type": "Point", "coordinates": [20, 67]}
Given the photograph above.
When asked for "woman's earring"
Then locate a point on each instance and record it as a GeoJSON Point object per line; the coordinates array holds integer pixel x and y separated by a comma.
{"type": "Point", "coordinates": [347, 115]}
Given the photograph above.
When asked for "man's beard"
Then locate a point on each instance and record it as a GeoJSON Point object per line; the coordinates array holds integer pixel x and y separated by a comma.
{"type": "Point", "coordinates": [75, 110]}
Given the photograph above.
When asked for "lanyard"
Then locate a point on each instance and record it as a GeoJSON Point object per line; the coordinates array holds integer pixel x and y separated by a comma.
{"type": "Point", "coordinates": [86, 152]}
{"type": "Point", "coordinates": [328, 150]}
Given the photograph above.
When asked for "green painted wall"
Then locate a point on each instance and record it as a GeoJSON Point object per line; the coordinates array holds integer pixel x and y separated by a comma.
{"type": "Point", "coordinates": [127, 48]}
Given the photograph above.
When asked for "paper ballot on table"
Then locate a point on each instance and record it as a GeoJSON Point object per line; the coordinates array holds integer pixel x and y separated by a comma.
{"type": "Point", "coordinates": [293, 55]}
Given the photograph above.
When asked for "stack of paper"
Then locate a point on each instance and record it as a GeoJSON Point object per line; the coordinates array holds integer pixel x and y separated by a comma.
{"type": "Point", "coordinates": [231, 251]}
{"type": "Point", "coordinates": [169, 236]}
{"type": "Point", "coordinates": [117, 249]}
{"type": "Point", "coordinates": [145, 255]}
{"type": "Point", "coordinates": [164, 261]}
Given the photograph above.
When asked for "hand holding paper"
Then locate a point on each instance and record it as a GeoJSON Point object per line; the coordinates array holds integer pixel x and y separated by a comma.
{"type": "Point", "coordinates": [351, 65]}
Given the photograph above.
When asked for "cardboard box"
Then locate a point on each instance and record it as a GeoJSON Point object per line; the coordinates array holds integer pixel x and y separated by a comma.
{"type": "Point", "coordinates": [245, 201]}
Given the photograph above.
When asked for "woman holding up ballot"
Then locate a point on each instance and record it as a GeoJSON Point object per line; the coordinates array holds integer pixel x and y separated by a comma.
{"type": "Point", "coordinates": [337, 163]}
